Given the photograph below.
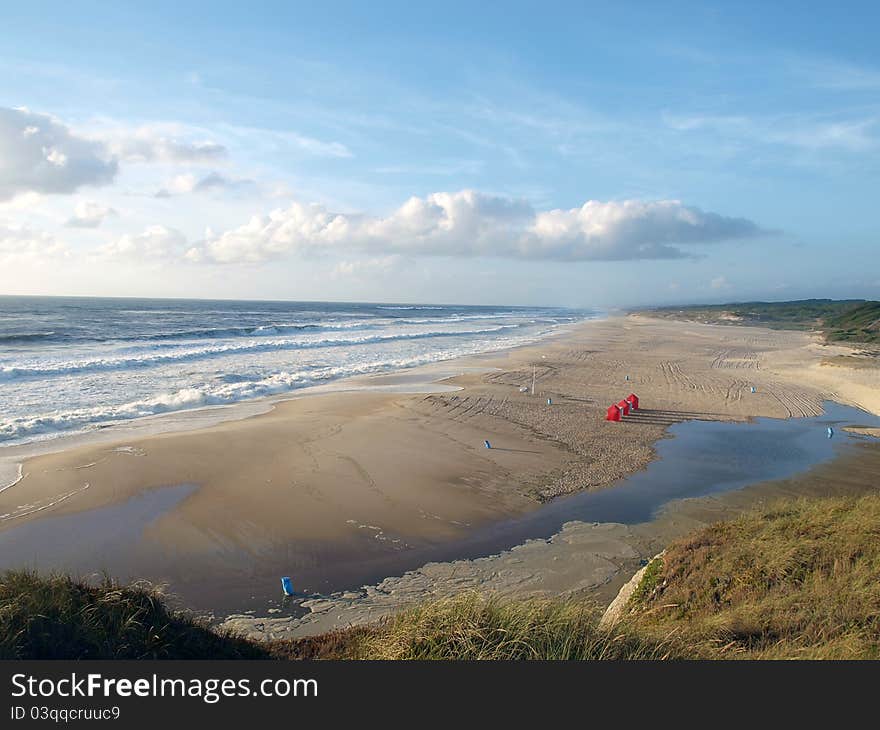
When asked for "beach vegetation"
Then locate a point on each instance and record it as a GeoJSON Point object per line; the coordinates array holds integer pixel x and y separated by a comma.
{"type": "Point", "coordinates": [846, 320]}
{"type": "Point", "coordinates": [477, 627]}
{"type": "Point", "coordinates": [651, 581]}
{"type": "Point", "coordinates": [797, 579]}
{"type": "Point", "coordinates": [57, 616]}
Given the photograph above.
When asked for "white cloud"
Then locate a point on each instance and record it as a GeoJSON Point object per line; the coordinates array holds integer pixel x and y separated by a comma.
{"type": "Point", "coordinates": [55, 156]}
{"type": "Point", "coordinates": [469, 223]}
{"type": "Point", "coordinates": [178, 185]}
{"type": "Point", "coordinates": [160, 143]}
{"type": "Point", "coordinates": [212, 182]}
{"type": "Point", "coordinates": [720, 283]}
{"type": "Point", "coordinates": [216, 181]}
{"type": "Point", "coordinates": [23, 202]}
{"type": "Point", "coordinates": [89, 214]}
{"type": "Point", "coordinates": [40, 154]}
{"type": "Point", "coordinates": [23, 243]}
{"type": "Point", "coordinates": [156, 242]}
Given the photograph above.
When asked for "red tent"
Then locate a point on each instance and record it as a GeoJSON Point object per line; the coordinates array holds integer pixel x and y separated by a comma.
{"type": "Point", "coordinates": [612, 414]}
{"type": "Point", "coordinates": [624, 407]}
{"type": "Point", "coordinates": [633, 400]}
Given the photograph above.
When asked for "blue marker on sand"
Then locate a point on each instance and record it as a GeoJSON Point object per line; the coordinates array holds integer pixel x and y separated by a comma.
{"type": "Point", "coordinates": [287, 586]}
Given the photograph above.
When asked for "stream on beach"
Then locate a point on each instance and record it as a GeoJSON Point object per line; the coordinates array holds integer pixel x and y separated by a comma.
{"type": "Point", "coordinates": [698, 458]}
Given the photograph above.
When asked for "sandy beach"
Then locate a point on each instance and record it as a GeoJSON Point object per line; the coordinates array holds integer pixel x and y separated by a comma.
{"type": "Point", "coordinates": [344, 487]}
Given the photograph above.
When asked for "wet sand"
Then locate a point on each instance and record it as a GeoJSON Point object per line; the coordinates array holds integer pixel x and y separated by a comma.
{"type": "Point", "coordinates": [347, 487]}
{"type": "Point", "coordinates": [587, 559]}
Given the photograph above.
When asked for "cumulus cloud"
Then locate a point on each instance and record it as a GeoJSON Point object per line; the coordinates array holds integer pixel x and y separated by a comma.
{"type": "Point", "coordinates": [156, 242]}
{"type": "Point", "coordinates": [89, 214]}
{"type": "Point", "coordinates": [40, 154]}
{"type": "Point", "coordinates": [469, 223]}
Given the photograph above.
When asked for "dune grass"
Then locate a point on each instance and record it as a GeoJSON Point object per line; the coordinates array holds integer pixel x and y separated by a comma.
{"type": "Point", "coordinates": [472, 626]}
{"type": "Point", "coordinates": [55, 617]}
{"type": "Point", "coordinates": [799, 579]}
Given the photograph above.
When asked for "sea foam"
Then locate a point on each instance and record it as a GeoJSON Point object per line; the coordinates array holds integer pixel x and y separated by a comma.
{"type": "Point", "coordinates": [72, 365]}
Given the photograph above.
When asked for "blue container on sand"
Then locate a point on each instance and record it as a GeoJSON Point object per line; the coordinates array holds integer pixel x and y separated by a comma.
{"type": "Point", "coordinates": [287, 586]}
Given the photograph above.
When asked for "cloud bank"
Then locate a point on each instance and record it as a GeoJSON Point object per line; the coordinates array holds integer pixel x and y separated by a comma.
{"type": "Point", "coordinates": [468, 223]}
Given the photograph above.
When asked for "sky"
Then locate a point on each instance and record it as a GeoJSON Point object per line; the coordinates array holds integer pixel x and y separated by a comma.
{"type": "Point", "coordinates": [575, 154]}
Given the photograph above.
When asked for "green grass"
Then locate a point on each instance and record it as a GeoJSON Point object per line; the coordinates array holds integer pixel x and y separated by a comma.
{"type": "Point", "coordinates": [472, 626]}
{"type": "Point", "coordinates": [848, 320]}
{"type": "Point", "coordinates": [860, 324]}
{"type": "Point", "coordinates": [800, 579]}
{"type": "Point", "coordinates": [650, 582]}
{"type": "Point", "coordinates": [57, 617]}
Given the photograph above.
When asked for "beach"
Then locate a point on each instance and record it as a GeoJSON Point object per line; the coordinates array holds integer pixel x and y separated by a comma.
{"type": "Point", "coordinates": [344, 488]}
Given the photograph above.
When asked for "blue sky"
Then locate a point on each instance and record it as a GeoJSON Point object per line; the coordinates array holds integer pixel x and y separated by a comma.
{"type": "Point", "coordinates": [548, 153]}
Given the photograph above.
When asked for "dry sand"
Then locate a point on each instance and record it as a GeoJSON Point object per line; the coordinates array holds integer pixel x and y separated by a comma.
{"type": "Point", "coordinates": [324, 485]}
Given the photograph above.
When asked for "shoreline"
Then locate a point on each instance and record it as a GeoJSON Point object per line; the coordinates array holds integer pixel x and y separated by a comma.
{"type": "Point", "coordinates": [335, 502]}
{"type": "Point", "coordinates": [424, 378]}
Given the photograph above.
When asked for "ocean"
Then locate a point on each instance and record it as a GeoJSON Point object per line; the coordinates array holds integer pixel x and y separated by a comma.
{"type": "Point", "coordinates": [69, 365]}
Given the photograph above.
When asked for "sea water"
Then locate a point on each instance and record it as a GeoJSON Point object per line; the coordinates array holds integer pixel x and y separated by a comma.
{"type": "Point", "coordinates": [74, 364]}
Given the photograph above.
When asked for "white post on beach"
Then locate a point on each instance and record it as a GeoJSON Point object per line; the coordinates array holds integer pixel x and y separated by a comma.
{"type": "Point", "coordinates": [534, 370]}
